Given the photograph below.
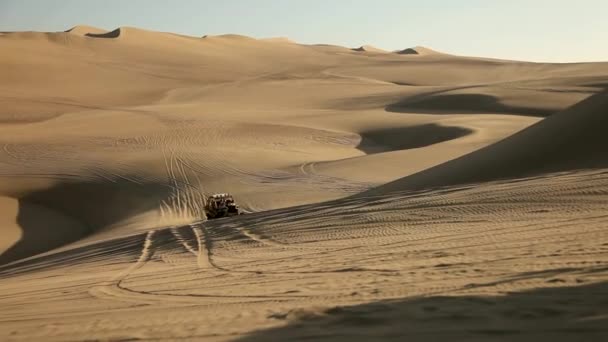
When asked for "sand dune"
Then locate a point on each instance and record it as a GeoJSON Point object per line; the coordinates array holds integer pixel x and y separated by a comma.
{"type": "Point", "coordinates": [111, 34]}
{"type": "Point", "coordinates": [569, 140]}
{"type": "Point", "coordinates": [458, 194]}
{"type": "Point", "coordinates": [29, 229]}
{"type": "Point", "coordinates": [405, 138]}
{"type": "Point", "coordinates": [280, 40]}
{"type": "Point", "coordinates": [84, 30]}
{"type": "Point", "coordinates": [523, 253]}
{"type": "Point", "coordinates": [418, 50]}
{"type": "Point", "coordinates": [369, 48]}
{"type": "Point", "coordinates": [464, 103]}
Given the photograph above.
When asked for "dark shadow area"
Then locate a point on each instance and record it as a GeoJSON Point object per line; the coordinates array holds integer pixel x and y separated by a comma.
{"type": "Point", "coordinates": [403, 138]}
{"type": "Point", "coordinates": [124, 249]}
{"type": "Point", "coordinates": [101, 203]}
{"type": "Point", "coordinates": [378, 101]}
{"type": "Point", "coordinates": [69, 211]}
{"type": "Point", "coordinates": [408, 51]}
{"type": "Point", "coordinates": [128, 247]}
{"type": "Point", "coordinates": [574, 139]}
{"type": "Point", "coordinates": [42, 229]}
{"type": "Point", "coordinates": [602, 85]}
{"type": "Point", "coordinates": [10, 119]}
{"type": "Point", "coordinates": [112, 34]}
{"type": "Point", "coordinates": [578, 313]}
{"type": "Point", "coordinates": [462, 103]}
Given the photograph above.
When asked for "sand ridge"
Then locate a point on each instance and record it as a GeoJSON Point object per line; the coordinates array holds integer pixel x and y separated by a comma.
{"type": "Point", "coordinates": [418, 50]}
{"type": "Point", "coordinates": [569, 140]}
{"type": "Point", "coordinates": [369, 48]}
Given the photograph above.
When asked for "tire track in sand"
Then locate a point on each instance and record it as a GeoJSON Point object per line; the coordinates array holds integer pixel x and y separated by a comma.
{"type": "Point", "coordinates": [112, 289]}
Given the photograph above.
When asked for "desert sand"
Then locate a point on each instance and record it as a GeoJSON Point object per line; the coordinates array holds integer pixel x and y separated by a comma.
{"type": "Point", "coordinates": [405, 195]}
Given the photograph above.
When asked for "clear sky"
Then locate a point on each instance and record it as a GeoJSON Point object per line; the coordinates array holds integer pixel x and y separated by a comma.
{"type": "Point", "coordinates": [537, 30]}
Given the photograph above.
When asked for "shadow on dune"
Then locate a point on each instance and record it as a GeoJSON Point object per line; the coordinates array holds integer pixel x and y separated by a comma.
{"type": "Point", "coordinates": [573, 139]}
{"type": "Point", "coordinates": [462, 103]}
{"type": "Point", "coordinates": [112, 34]}
{"type": "Point", "coordinates": [101, 203]}
{"type": "Point", "coordinates": [27, 118]}
{"type": "Point", "coordinates": [442, 101]}
{"type": "Point", "coordinates": [408, 51]}
{"type": "Point", "coordinates": [113, 251]}
{"type": "Point", "coordinates": [403, 138]}
{"type": "Point", "coordinates": [601, 85]}
{"type": "Point", "coordinates": [578, 313]}
{"type": "Point", "coordinates": [69, 211]}
{"type": "Point", "coordinates": [41, 229]}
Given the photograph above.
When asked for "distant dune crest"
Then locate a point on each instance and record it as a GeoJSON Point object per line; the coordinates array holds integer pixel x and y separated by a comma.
{"type": "Point", "coordinates": [418, 50]}
{"type": "Point", "coordinates": [369, 48]}
{"type": "Point", "coordinates": [279, 40]}
{"type": "Point", "coordinates": [137, 34]}
{"type": "Point", "coordinates": [84, 30]}
{"type": "Point", "coordinates": [228, 36]}
{"type": "Point", "coordinates": [112, 34]}
{"type": "Point", "coordinates": [95, 32]}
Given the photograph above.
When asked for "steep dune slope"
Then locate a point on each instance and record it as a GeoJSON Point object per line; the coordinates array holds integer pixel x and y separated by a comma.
{"type": "Point", "coordinates": [513, 250]}
{"type": "Point", "coordinates": [569, 140]}
{"type": "Point", "coordinates": [27, 229]}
